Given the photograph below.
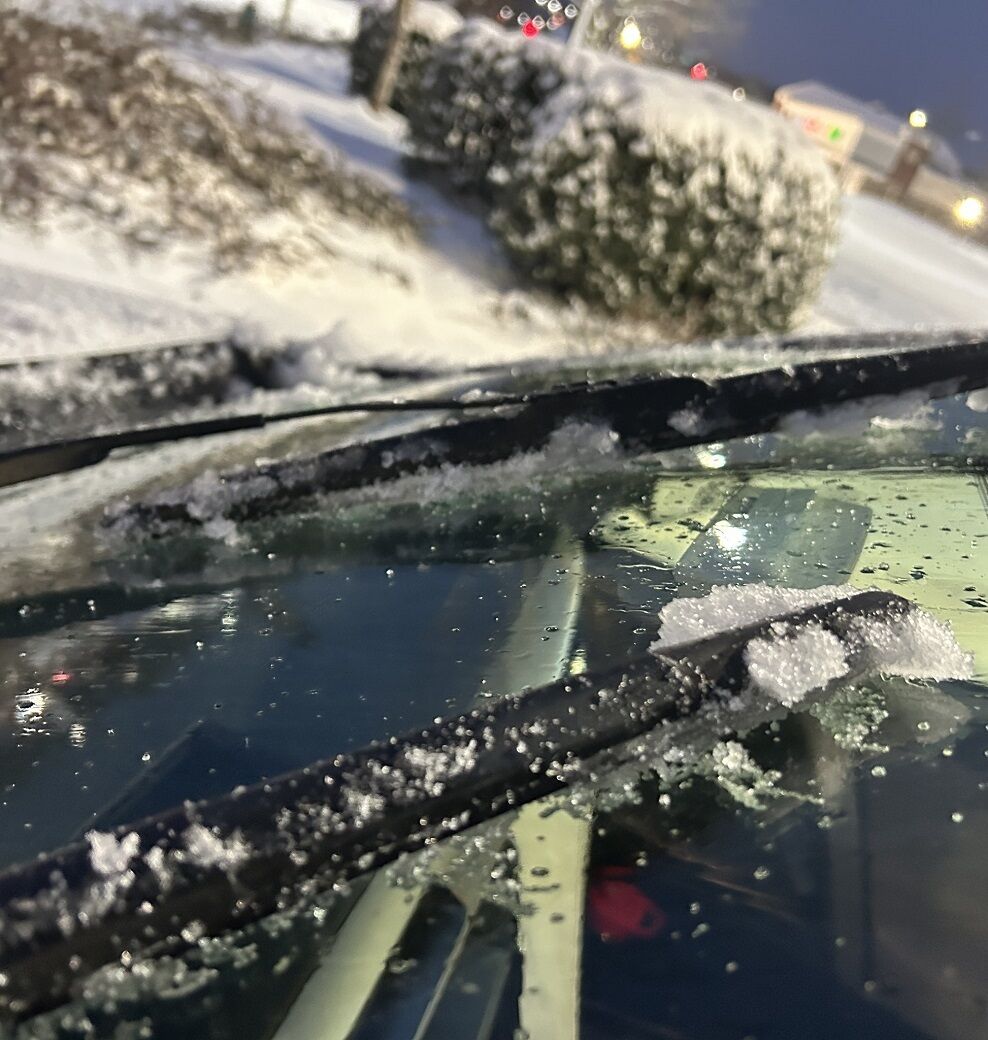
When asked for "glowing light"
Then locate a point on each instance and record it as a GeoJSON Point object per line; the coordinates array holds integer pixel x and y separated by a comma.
{"type": "Point", "coordinates": [570, 10]}
{"type": "Point", "coordinates": [530, 29]}
{"type": "Point", "coordinates": [739, 94]}
{"type": "Point", "coordinates": [630, 36]}
{"type": "Point", "coordinates": [699, 71]}
{"type": "Point", "coordinates": [835, 133]}
{"type": "Point", "coordinates": [969, 211]}
{"type": "Point", "coordinates": [917, 118]}
{"type": "Point", "coordinates": [506, 14]}
{"type": "Point", "coordinates": [60, 678]}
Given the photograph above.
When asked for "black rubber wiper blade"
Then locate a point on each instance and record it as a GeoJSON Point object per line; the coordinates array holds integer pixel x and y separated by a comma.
{"type": "Point", "coordinates": [226, 862]}
{"type": "Point", "coordinates": [647, 414]}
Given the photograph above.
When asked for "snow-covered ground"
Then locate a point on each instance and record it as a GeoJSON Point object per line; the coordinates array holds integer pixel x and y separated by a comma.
{"type": "Point", "coordinates": [448, 302]}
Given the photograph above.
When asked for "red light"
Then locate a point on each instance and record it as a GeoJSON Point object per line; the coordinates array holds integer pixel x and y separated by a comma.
{"type": "Point", "coordinates": [60, 678]}
{"type": "Point", "coordinates": [698, 71]}
{"type": "Point", "coordinates": [530, 29]}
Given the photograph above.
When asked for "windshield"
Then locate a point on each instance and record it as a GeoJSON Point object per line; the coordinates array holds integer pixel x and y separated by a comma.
{"type": "Point", "coordinates": [493, 516]}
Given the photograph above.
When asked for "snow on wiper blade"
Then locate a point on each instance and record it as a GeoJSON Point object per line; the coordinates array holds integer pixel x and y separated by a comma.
{"type": "Point", "coordinates": [653, 413]}
{"type": "Point", "coordinates": [232, 860]}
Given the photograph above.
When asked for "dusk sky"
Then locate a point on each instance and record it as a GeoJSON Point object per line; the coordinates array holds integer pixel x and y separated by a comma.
{"type": "Point", "coordinates": [905, 53]}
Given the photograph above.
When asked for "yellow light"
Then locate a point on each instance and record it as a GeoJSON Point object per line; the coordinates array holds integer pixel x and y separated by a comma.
{"type": "Point", "coordinates": [917, 118]}
{"type": "Point", "coordinates": [969, 211]}
{"type": "Point", "coordinates": [630, 36]}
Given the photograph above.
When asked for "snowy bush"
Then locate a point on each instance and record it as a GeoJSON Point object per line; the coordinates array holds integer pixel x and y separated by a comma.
{"type": "Point", "coordinates": [478, 98]}
{"type": "Point", "coordinates": [431, 23]}
{"type": "Point", "coordinates": [96, 121]}
{"type": "Point", "coordinates": [658, 197]}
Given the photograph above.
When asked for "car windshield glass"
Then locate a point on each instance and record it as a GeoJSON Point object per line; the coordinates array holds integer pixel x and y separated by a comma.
{"type": "Point", "coordinates": [704, 870]}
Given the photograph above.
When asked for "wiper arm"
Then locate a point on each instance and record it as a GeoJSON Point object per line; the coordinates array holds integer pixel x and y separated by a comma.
{"type": "Point", "coordinates": [647, 414]}
{"type": "Point", "coordinates": [232, 860]}
{"type": "Point", "coordinates": [749, 403]}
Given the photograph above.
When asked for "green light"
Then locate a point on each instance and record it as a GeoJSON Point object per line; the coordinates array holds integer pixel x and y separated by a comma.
{"type": "Point", "coordinates": [836, 133]}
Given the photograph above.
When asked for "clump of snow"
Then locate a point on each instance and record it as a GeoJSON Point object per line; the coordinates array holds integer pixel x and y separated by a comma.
{"type": "Point", "coordinates": [790, 664]}
{"type": "Point", "coordinates": [917, 645]}
{"type": "Point", "coordinates": [363, 805]}
{"type": "Point", "coordinates": [909, 411]}
{"type": "Point", "coordinates": [109, 855]}
{"type": "Point", "coordinates": [207, 849]}
{"type": "Point", "coordinates": [736, 606]}
{"type": "Point", "coordinates": [433, 767]}
{"type": "Point", "coordinates": [688, 421]}
{"type": "Point", "coordinates": [977, 400]}
{"type": "Point", "coordinates": [110, 859]}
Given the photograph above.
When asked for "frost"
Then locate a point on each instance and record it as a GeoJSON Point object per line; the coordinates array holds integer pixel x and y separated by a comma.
{"type": "Point", "coordinates": [789, 666]}
{"type": "Point", "coordinates": [851, 716]}
{"type": "Point", "coordinates": [733, 769]}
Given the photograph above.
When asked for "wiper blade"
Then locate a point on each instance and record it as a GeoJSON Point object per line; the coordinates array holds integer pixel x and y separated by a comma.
{"type": "Point", "coordinates": [232, 860]}
{"type": "Point", "coordinates": [647, 414]}
{"type": "Point", "coordinates": [750, 403]}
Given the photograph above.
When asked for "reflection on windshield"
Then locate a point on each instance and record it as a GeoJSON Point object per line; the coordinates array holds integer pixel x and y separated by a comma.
{"type": "Point", "coordinates": [773, 861]}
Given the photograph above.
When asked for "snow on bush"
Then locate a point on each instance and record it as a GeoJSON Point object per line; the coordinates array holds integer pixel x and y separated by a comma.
{"type": "Point", "coordinates": [479, 95]}
{"type": "Point", "coordinates": [431, 23]}
{"type": "Point", "coordinates": [96, 122]}
{"type": "Point", "coordinates": [657, 197]}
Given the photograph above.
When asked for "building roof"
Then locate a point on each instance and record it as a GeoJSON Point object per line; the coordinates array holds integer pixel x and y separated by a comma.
{"type": "Point", "coordinates": [875, 117]}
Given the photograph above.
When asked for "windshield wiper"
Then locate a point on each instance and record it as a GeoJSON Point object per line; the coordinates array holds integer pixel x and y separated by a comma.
{"type": "Point", "coordinates": [653, 413]}
{"type": "Point", "coordinates": [232, 860]}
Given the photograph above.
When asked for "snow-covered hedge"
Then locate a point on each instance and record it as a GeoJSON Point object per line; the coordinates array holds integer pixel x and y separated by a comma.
{"type": "Point", "coordinates": [97, 123]}
{"type": "Point", "coordinates": [432, 22]}
{"type": "Point", "coordinates": [655, 196]}
{"type": "Point", "coordinates": [479, 93]}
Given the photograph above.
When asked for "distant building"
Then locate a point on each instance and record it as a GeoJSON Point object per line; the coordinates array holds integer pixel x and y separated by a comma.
{"type": "Point", "coordinates": [875, 150]}
{"type": "Point", "coordinates": [862, 132]}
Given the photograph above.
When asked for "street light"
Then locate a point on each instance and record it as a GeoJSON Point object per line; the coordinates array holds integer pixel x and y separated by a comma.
{"type": "Point", "coordinates": [917, 119]}
{"type": "Point", "coordinates": [630, 36]}
{"type": "Point", "coordinates": [969, 211]}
